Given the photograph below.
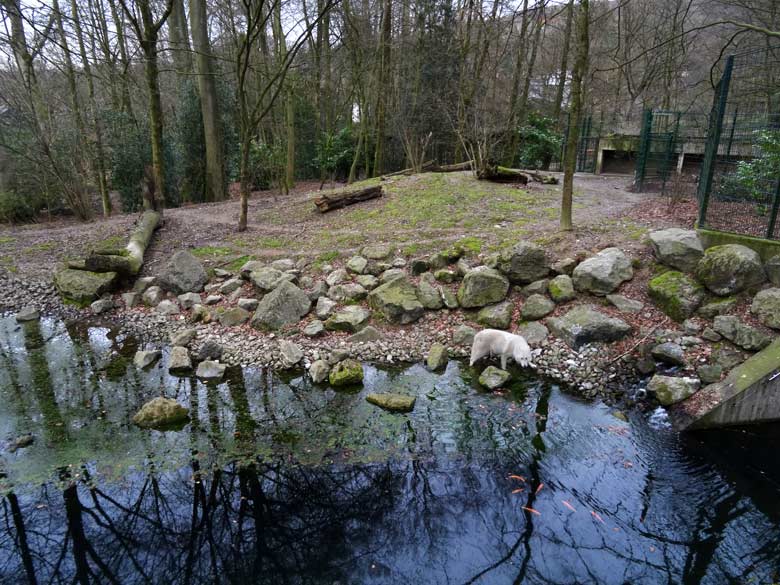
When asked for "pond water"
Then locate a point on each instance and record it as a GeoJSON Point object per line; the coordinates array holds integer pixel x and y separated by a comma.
{"type": "Point", "coordinates": [279, 481]}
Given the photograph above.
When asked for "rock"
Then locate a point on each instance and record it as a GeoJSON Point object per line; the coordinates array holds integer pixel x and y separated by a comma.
{"type": "Point", "coordinates": [350, 318]}
{"type": "Point", "coordinates": [392, 402]}
{"type": "Point", "coordinates": [168, 307]}
{"type": "Point", "coordinates": [564, 266]}
{"type": "Point", "coordinates": [131, 299]}
{"type": "Point", "coordinates": [189, 300]}
{"type": "Point", "coordinates": [141, 284]}
{"type": "Point", "coordinates": [319, 371]}
{"type": "Point", "coordinates": [493, 377]}
{"type": "Point", "coordinates": [533, 332]}
{"type": "Point", "coordinates": [182, 273]}
{"type": "Point", "coordinates": [584, 324]}
{"type": "Point", "coordinates": [740, 334]}
{"type": "Point", "coordinates": [314, 328]}
{"type": "Point", "coordinates": [624, 304]}
{"type": "Point", "coordinates": [291, 352]}
{"type": "Point", "coordinates": [28, 314]}
{"type": "Point", "coordinates": [419, 265]}
{"type": "Point", "coordinates": [83, 286]}
{"type": "Point", "coordinates": [183, 337]}
{"type": "Point", "coordinates": [449, 298]}
{"type": "Point", "coordinates": [367, 281]}
{"type": "Point", "coordinates": [766, 306]}
{"type": "Point", "coordinates": [437, 357]}
{"type": "Point", "coordinates": [497, 316]}
{"type": "Point", "coordinates": [772, 269]}
{"type": "Point", "coordinates": [376, 251]}
{"type": "Point", "coordinates": [561, 289]}
{"type": "Point", "coordinates": [523, 263]}
{"type": "Point", "coordinates": [250, 267]}
{"type": "Point", "coordinates": [234, 316]}
{"type": "Point", "coordinates": [727, 357]}
{"type": "Point", "coordinates": [603, 273]}
{"type": "Point", "coordinates": [482, 286]}
{"type": "Point", "coordinates": [709, 374]}
{"type": "Point", "coordinates": [464, 335]}
{"type": "Point", "coordinates": [153, 296]}
{"type": "Point", "coordinates": [669, 353]}
{"type": "Point", "coordinates": [284, 305]}
{"type": "Point", "coordinates": [305, 282]}
{"type": "Point", "coordinates": [161, 413]}
{"type": "Point", "coordinates": [144, 359]}
{"type": "Point", "coordinates": [711, 335]}
{"type": "Point", "coordinates": [324, 307]}
{"type": "Point", "coordinates": [398, 262]}
{"type": "Point", "coordinates": [428, 294]}
{"type": "Point", "coordinates": [462, 267]}
{"type": "Point", "coordinates": [221, 273]}
{"type": "Point", "coordinates": [397, 301]}
{"type": "Point", "coordinates": [210, 350]}
{"type": "Point", "coordinates": [717, 307]}
{"type": "Point", "coordinates": [101, 306]}
{"type": "Point", "coordinates": [179, 361]}
{"type": "Point", "coordinates": [21, 442]}
{"type": "Point", "coordinates": [212, 300]}
{"type": "Point", "coordinates": [319, 290]}
{"type": "Point", "coordinates": [357, 264]}
{"type": "Point", "coordinates": [200, 314]}
{"type": "Point", "coordinates": [446, 276]}
{"type": "Point", "coordinates": [678, 248]}
{"type": "Point", "coordinates": [345, 373]}
{"type": "Point", "coordinates": [670, 390]}
{"type": "Point", "coordinates": [376, 268]}
{"type": "Point", "coordinates": [347, 292]}
{"type": "Point", "coordinates": [692, 327]}
{"type": "Point", "coordinates": [538, 287]}
{"type": "Point", "coordinates": [230, 286]}
{"type": "Point", "coordinates": [729, 269]}
{"type": "Point", "coordinates": [283, 264]}
{"type": "Point", "coordinates": [676, 294]}
{"type": "Point", "coordinates": [248, 304]}
{"type": "Point", "coordinates": [437, 261]}
{"type": "Point", "coordinates": [535, 307]}
{"type": "Point", "coordinates": [365, 335]}
{"type": "Point", "coordinates": [267, 279]}
{"type": "Point", "coordinates": [391, 274]}
{"type": "Point", "coordinates": [210, 371]}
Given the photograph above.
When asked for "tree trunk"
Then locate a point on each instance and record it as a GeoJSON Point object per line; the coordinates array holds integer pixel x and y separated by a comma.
{"type": "Point", "coordinates": [244, 178]}
{"type": "Point", "coordinates": [116, 16]}
{"type": "Point", "coordinates": [578, 74]}
{"type": "Point", "coordinates": [155, 118]}
{"type": "Point", "coordinates": [128, 261]}
{"type": "Point", "coordinates": [344, 197]}
{"type": "Point", "coordinates": [499, 174]}
{"type": "Point", "coordinates": [384, 74]}
{"type": "Point", "coordinates": [179, 38]}
{"type": "Point", "coordinates": [558, 103]}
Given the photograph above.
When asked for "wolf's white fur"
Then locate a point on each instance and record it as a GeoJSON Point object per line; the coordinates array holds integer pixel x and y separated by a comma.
{"type": "Point", "coordinates": [490, 342]}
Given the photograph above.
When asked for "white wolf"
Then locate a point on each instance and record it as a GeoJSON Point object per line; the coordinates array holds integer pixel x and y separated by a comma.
{"type": "Point", "coordinates": [490, 342]}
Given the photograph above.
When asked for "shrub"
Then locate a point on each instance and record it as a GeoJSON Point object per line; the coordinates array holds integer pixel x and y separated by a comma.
{"type": "Point", "coordinates": [538, 142]}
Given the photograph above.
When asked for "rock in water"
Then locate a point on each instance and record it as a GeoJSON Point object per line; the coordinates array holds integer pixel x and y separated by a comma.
{"type": "Point", "coordinates": [766, 306]}
{"type": "Point", "coordinates": [678, 248]}
{"type": "Point", "coordinates": [669, 390]}
{"type": "Point", "coordinates": [729, 269]}
{"type": "Point", "coordinates": [285, 305]}
{"type": "Point", "coordinates": [179, 362]}
{"type": "Point", "coordinates": [523, 263]}
{"type": "Point", "coordinates": [346, 373]}
{"type": "Point", "coordinates": [392, 402]}
{"type": "Point", "coordinates": [482, 286]}
{"type": "Point", "coordinates": [319, 371]}
{"type": "Point", "coordinates": [497, 316]}
{"type": "Point", "coordinates": [160, 413]}
{"type": "Point", "coordinates": [603, 273]}
{"type": "Point", "coordinates": [676, 294]}
{"type": "Point", "coordinates": [144, 359]}
{"type": "Point", "coordinates": [351, 318]}
{"type": "Point", "coordinates": [83, 286]}
{"type": "Point", "coordinates": [183, 273]}
{"type": "Point", "coordinates": [27, 314]}
{"type": "Point", "coordinates": [493, 377]}
{"type": "Point", "coordinates": [397, 301]}
{"type": "Point", "coordinates": [584, 324]}
{"type": "Point", "coordinates": [437, 357]}
{"type": "Point", "coordinates": [211, 371]}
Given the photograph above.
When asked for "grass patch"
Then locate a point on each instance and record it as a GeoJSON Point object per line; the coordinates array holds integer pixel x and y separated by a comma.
{"type": "Point", "coordinates": [274, 243]}
{"type": "Point", "coordinates": [236, 264]}
{"type": "Point", "coordinates": [7, 240]}
{"type": "Point", "coordinates": [8, 264]}
{"type": "Point", "coordinates": [112, 242]}
{"type": "Point", "coordinates": [470, 244]}
{"type": "Point", "coordinates": [44, 246]}
{"type": "Point", "coordinates": [328, 256]}
{"type": "Point", "coordinates": [210, 251]}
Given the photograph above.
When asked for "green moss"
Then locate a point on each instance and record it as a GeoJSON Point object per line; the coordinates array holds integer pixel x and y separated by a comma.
{"type": "Point", "coordinates": [676, 294]}
{"type": "Point", "coordinates": [7, 240]}
{"type": "Point", "coordinates": [346, 373]}
{"type": "Point", "coordinates": [206, 251]}
{"type": "Point", "coordinates": [470, 244]}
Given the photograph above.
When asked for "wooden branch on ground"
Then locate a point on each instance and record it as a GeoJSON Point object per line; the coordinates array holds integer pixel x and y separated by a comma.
{"type": "Point", "coordinates": [464, 166]}
{"type": "Point", "coordinates": [426, 167]}
{"type": "Point", "coordinates": [338, 198]}
{"type": "Point", "coordinates": [128, 260]}
{"type": "Point", "coordinates": [499, 174]}
{"type": "Point", "coordinates": [541, 177]}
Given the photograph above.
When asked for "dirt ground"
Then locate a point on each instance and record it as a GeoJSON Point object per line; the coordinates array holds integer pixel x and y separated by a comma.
{"type": "Point", "coordinates": [418, 214]}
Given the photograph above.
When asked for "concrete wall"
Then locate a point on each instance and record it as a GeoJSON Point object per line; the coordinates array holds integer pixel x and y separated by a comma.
{"type": "Point", "coordinates": [765, 248]}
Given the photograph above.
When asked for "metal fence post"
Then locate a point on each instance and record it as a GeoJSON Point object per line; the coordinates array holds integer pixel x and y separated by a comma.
{"type": "Point", "coordinates": [644, 149]}
{"type": "Point", "coordinates": [713, 140]}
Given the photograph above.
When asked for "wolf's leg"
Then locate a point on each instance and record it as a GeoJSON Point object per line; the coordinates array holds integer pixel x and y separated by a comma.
{"type": "Point", "coordinates": [503, 361]}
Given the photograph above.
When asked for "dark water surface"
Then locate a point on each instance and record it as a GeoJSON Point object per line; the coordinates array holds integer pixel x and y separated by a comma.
{"type": "Point", "coordinates": [279, 481]}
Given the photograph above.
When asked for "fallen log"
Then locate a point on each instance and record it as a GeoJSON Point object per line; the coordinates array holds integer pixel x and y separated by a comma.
{"type": "Point", "coordinates": [464, 166]}
{"type": "Point", "coordinates": [499, 174]}
{"type": "Point", "coordinates": [541, 178]}
{"type": "Point", "coordinates": [339, 198]}
{"type": "Point", "coordinates": [426, 167]}
{"type": "Point", "coordinates": [128, 260]}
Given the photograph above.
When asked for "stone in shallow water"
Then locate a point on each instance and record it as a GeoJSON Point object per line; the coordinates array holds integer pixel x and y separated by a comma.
{"type": "Point", "coordinates": [319, 371]}
{"type": "Point", "coordinates": [392, 402]}
{"type": "Point", "coordinates": [210, 371]}
{"type": "Point", "coordinates": [28, 314]}
{"type": "Point", "coordinates": [669, 390]}
{"type": "Point", "coordinates": [346, 372]}
{"type": "Point", "coordinates": [437, 357]}
{"type": "Point", "coordinates": [144, 359]}
{"type": "Point", "coordinates": [179, 362]}
{"type": "Point", "coordinates": [161, 412]}
{"type": "Point", "coordinates": [493, 377]}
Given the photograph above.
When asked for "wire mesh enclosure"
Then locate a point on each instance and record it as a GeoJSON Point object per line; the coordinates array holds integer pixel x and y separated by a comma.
{"type": "Point", "coordinates": [739, 185]}
{"type": "Point", "coordinates": [587, 147]}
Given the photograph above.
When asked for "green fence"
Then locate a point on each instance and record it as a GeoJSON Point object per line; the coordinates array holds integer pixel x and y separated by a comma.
{"type": "Point", "coordinates": [587, 147]}
{"type": "Point", "coordinates": [739, 184]}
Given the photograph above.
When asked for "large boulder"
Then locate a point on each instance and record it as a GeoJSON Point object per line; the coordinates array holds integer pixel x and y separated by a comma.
{"type": "Point", "coordinates": [83, 286]}
{"type": "Point", "coordinates": [525, 262]}
{"type": "Point", "coordinates": [179, 362]}
{"type": "Point", "coordinates": [351, 318]}
{"type": "Point", "coordinates": [284, 305]}
{"type": "Point", "coordinates": [267, 279]}
{"type": "Point", "coordinates": [766, 306]}
{"type": "Point", "coordinates": [182, 273]}
{"type": "Point", "coordinates": [740, 334]}
{"type": "Point", "coordinates": [676, 294]}
{"type": "Point", "coordinates": [498, 316]}
{"type": "Point", "coordinates": [603, 273]}
{"type": "Point", "coordinates": [397, 301]}
{"type": "Point", "coordinates": [669, 389]}
{"type": "Point", "coordinates": [482, 286]}
{"type": "Point", "coordinates": [584, 324]}
{"type": "Point", "coordinates": [729, 269]}
{"type": "Point", "coordinates": [678, 248]}
{"type": "Point", "coordinates": [160, 413]}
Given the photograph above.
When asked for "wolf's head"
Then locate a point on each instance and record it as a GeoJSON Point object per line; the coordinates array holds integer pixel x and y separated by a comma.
{"type": "Point", "coordinates": [521, 353]}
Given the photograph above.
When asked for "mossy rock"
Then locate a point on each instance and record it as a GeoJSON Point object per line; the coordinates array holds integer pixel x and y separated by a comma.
{"type": "Point", "coordinates": [392, 402]}
{"type": "Point", "coordinates": [676, 294]}
{"type": "Point", "coordinates": [82, 286]}
{"type": "Point", "coordinates": [161, 413]}
{"type": "Point", "coordinates": [346, 373]}
{"type": "Point", "coordinates": [730, 268]}
{"type": "Point", "coordinates": [397, 301]}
